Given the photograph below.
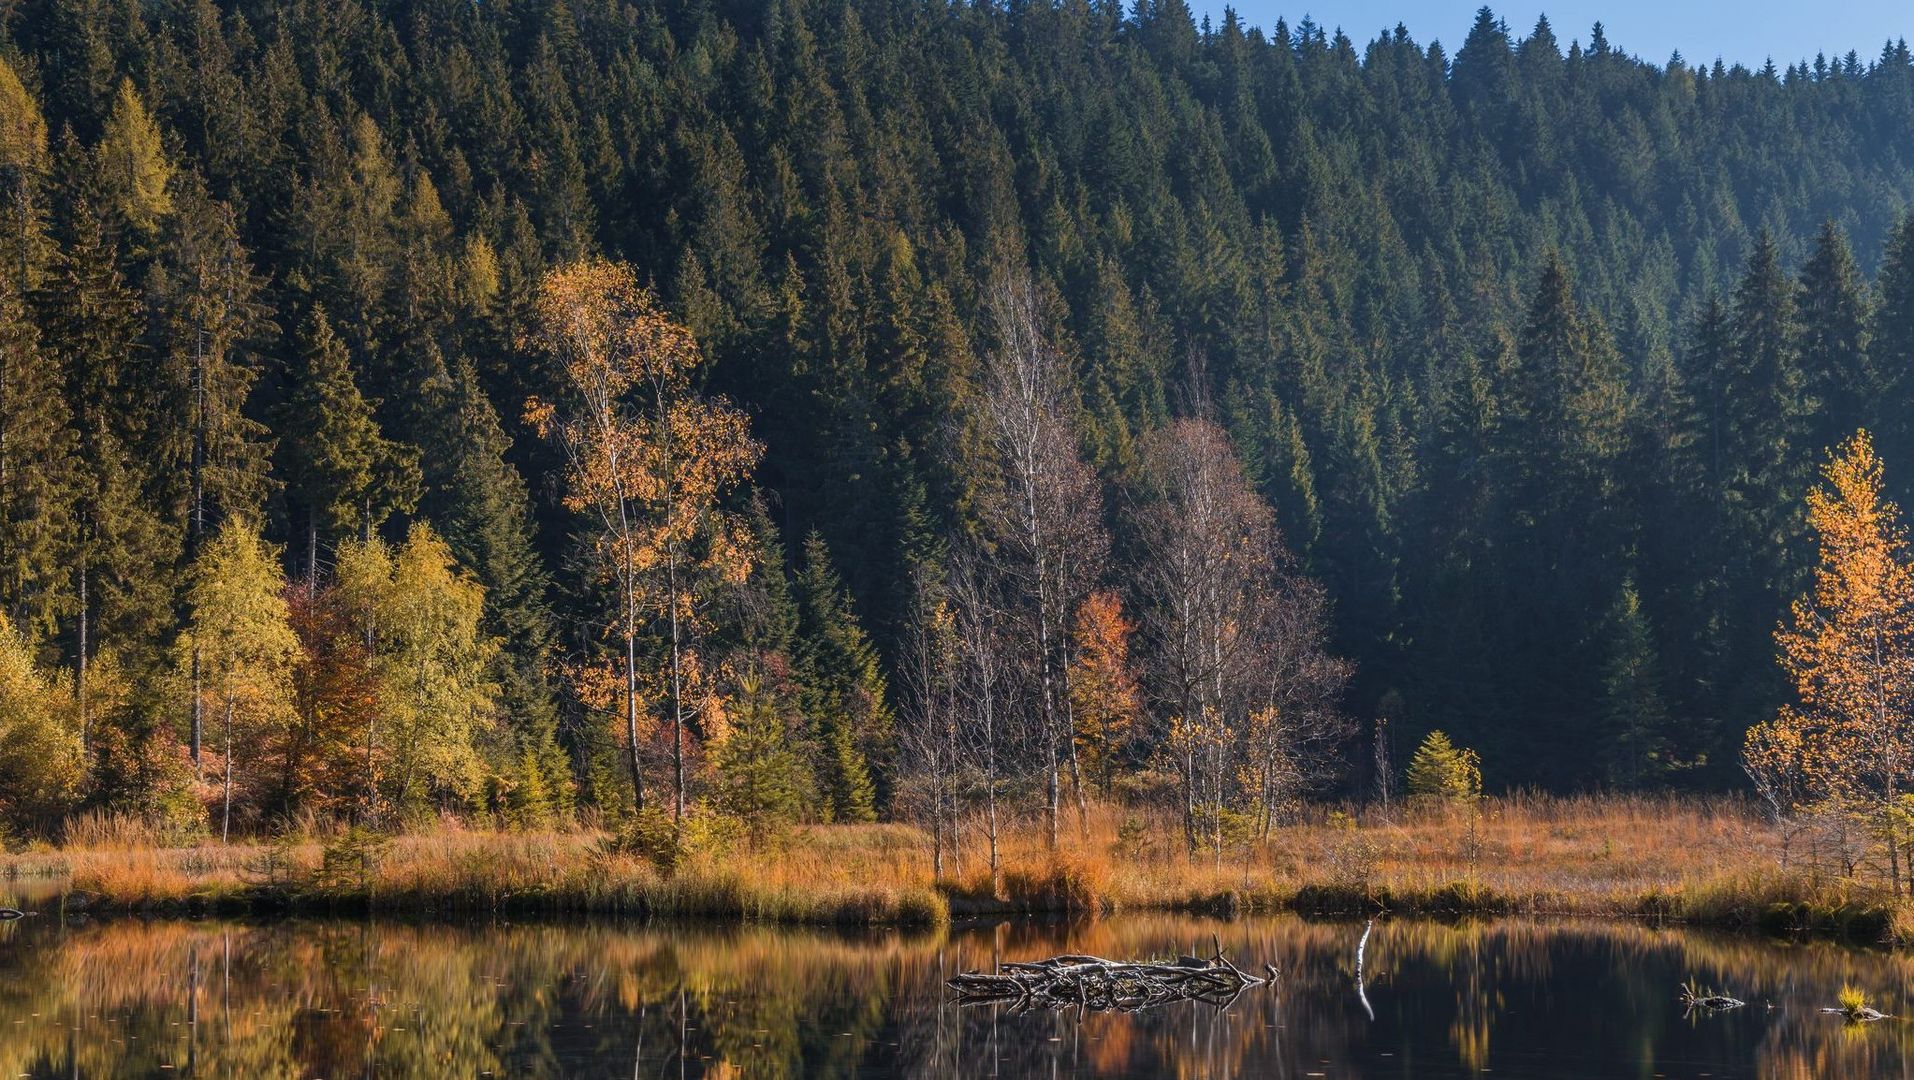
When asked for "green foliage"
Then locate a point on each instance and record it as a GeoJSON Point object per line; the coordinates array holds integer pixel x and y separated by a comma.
{"type": "Point", "coordinates": [1441, 770]}
{"type": "Point", "coordinates": [350, 861]}
{"type": "Point", "coordinates": [1500, 334]}
{"type": "Point", "coordinates": [348, 475]}
{"type": "Point", "coordinates": [40, 761]}
{"type": "Point", "coordinates": [1636, 736]}
{"type": "Point", "coordinates": [422, 615]}
{"type": "Point", "coordinates": [761, 777]}
{"type": "Point", "coordinates": [133, 163]}
{"type": "Point", "coordinates": [845, 696]}
{"type": "Point", "coordinates": [652, 834]}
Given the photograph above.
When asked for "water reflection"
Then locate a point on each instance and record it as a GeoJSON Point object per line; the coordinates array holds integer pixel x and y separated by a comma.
{"type": "Point", "coordinates": [336, 999]}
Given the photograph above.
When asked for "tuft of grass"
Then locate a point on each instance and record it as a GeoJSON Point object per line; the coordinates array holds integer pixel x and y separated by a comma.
{"type": "Point", "coordinates": [1852, 999]}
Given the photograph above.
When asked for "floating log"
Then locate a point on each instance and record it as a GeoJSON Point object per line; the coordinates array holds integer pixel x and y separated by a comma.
{"type": "Point", "coordinates": [1694, 997]}
{"type": "Point", "coordinates": [1866, 1014]}
{"type": "Point", "coordinates": [1092, 982]}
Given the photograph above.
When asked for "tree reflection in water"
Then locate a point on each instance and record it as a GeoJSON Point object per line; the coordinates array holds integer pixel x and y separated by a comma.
{"type": "Point", "coordinates": [336, 999]}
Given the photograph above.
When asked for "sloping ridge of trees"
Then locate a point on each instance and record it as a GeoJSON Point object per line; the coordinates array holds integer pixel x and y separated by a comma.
{"type": "Point", "coordinates": [1074, 396]}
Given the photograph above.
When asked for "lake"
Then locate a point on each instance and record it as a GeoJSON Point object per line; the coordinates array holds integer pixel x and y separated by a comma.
{"type": "Point", "coordinates": [129, 997]}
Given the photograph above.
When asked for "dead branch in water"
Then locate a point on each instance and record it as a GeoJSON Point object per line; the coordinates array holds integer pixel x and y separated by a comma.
{"type": "Point", "coordinates": [1091, 982]}
{"type": "Point", "coordinates": [1694, 996]}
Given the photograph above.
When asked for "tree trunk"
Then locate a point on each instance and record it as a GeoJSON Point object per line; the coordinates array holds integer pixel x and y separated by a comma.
{"type": "Point", "coordinates": [79, 670]}
{"type": "Point", "coordinates": [226, 820]}
{"type": "Point", "coordinates": [631, 692]}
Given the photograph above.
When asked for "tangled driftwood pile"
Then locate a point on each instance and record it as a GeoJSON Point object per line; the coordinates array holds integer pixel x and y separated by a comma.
{"type": "Point", "coordinates": [1066, 982]}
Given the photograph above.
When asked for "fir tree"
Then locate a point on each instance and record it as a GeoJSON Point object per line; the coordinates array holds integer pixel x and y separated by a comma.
{"type": "Point", "coordinates": [1635, 715]}
{"type": "Point", "coordinates": [845, 697]}
{"type": "Point", "coordinates": [347, 476]}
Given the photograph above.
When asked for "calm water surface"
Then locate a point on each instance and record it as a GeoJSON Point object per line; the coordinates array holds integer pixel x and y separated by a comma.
{"type": "Point", "coordinates": [126, 997]}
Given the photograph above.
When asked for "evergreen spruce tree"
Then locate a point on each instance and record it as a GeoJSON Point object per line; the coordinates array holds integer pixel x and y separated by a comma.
{"type": "Point", "coordinates": [1891, 343]}
{"type": "Point", "coordinates": [1832, 316]}
{"type": "Point", "coordinates": [121, 560]}
{"type": "Point", "coordinates": [347, 476]}
{"type": "Point", "coordinates": [37, 475]}
{"type": "Point", "coordinates": [1635, 718]}
{"type": "Point", "coordinates": [484, 512]}
{"type": "Point", "coordinates": [844, 691]}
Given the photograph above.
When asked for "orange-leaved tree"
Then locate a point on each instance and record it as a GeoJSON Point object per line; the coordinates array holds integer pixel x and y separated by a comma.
{"type": "Point", "coordinates": [652, 462]}
{"type": "Point", "coordinates": [1103, 690]}
{"type": "Point", "coordinates": [1849, 651]}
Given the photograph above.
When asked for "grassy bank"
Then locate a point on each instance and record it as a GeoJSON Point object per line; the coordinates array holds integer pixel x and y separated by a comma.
{"type": "Point", "coordinates": [1714, 864]}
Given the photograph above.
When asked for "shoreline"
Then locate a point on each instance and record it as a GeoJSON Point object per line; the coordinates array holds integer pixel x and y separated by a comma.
{"type": "Point", "coordinates": [1854, 922]}
{"type": "Point", "coordinates": [1678, 861]}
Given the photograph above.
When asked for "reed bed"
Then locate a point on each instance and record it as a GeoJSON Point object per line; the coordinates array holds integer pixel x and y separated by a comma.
{"type": "Point", "coordinates": [1683, 859]}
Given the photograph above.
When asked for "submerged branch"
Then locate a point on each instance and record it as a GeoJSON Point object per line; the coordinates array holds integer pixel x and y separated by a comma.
{"type": "Point", "coordinates": [1091, 982]}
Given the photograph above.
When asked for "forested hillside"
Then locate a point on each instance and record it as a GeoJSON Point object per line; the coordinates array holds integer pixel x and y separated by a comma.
{"type": "Point", "coordinates": [1531, 347]}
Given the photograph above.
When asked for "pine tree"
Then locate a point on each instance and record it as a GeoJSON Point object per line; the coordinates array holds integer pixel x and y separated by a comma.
{"type": "Point", "coordinates": [23, 163]}
{"type": "Point", "coordinates": [210, 314]}
{"type": "Point", "coordinates": [1832, 313]}
{"type": "Point", "coordinates": [347, 476]}
{"type": "Point", "coordinates": [845, 697]}
{"type": "Point", "coordinates": [37, 475]}
{"type": "Point", "coordinates": [122, 556]}
{"type": "Point", "coordinates": [1891, 343]}
{"type": "Point", "coordinates": [1635, 719]}
{"type": "Point", "coordinates": [484, 511]}
{"type": "Point", "coordinates": [759, 769]}
{"type": "Point", "coordinates": [1441, 770]}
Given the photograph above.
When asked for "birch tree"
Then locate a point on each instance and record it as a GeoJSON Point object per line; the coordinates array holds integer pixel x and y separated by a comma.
{"type": "Point", "coordinates": [1239, 663]}
{"type": "Point", "coordinates": [1043, 511]}
{"type": "Point", "coordinates": [651, 462]}
{"type": "Point", "coordinates": [1848, 648]}
{"type": "Point", "coordinates": [241, 639]}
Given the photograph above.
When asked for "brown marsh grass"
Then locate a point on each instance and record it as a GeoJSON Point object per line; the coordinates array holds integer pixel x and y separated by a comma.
{"type": "Point", "coordinates": [1714, 861]}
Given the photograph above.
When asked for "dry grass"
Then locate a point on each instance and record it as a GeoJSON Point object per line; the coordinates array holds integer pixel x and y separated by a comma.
{"type": "Point", "coordinates": [1687, 859]}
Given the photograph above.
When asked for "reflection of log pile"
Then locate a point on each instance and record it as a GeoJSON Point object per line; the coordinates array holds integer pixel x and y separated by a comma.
{"type": "Point", "coordinates": [1091, 982]}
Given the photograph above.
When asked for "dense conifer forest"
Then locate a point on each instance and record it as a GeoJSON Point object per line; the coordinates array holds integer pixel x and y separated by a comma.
{"type": "Point", "coordinates": [1050, 395]}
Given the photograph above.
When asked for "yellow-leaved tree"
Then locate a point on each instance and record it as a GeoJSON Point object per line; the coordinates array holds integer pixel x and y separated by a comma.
{"type": "Point", "coordinates": [241, 633]}
{"type": "Point", "coordinates": [1848, 649]}
{"type": "Point", "coordinates": [420, 615]}
{"type": "Point", "coordinates": [651, 461]}
{"type": "Point", "coordinates": [133, 161]}
{"type": "Point", "coordinates": [39, 753]}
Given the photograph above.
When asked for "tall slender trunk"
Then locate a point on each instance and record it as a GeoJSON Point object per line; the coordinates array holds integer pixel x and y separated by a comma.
{"type": "Point", "coordinates": [79, 669]}
{"type": "Point", "coordinates": [372, 770]}
{"type": "Point", "coordinates": [672, 557]}
{"type": "Point", "coordinates": [631, 689]}
{"type": "Point", "coordinates": [197, 528]}
{"type": "Point", "coordinates": [226, 820]}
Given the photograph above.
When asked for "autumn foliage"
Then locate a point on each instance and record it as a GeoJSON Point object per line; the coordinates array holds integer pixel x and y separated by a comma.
{"type": "Point", "coordinates": [1848, 738]}
{"type": "Point", "coordinates": [649, 461]}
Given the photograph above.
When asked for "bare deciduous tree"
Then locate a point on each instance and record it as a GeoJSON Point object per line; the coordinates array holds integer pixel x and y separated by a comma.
{"type": "Point", "coordinates": [1043, 512]}
{"type": "Point", "coordinates": [1238, 661]}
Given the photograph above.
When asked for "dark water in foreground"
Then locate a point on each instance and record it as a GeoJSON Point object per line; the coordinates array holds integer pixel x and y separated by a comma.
{"type": "Point", "coordinates": [342, 999]}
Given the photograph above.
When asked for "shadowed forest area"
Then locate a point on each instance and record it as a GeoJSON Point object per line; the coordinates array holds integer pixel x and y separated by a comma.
{"type": "Point", "coordinates": [704, 419]}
